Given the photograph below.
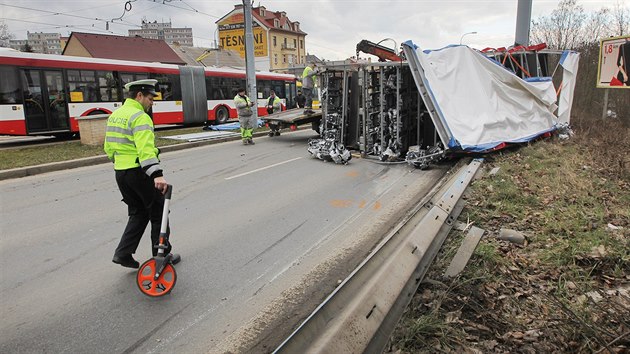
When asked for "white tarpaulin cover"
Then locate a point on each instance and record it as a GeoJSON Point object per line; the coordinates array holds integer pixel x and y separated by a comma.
{"type": "Point", "coordinates": [478, 103]}
{"type": "Point", "coordinates": [569, 62]}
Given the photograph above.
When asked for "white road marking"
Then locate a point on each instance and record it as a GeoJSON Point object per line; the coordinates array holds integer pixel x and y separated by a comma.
{"type": "Point", "coordinates": [262, 168]}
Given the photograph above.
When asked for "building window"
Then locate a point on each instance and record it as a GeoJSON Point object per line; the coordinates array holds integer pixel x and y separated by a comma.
{"type": "Point", "coordinates": [274, 41]}
{"type": "Point", "coordinates": [284, 58]}
{"type": "Point", "coordinates": [275, 59]}
{"type": "Point", "coordinates": [301, 44]}
{"type": "Point", "coordinates": [285, 42]}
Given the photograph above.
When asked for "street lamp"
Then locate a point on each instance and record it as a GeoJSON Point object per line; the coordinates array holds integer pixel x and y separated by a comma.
{"type": "Point", "coordinates": [460, 40]}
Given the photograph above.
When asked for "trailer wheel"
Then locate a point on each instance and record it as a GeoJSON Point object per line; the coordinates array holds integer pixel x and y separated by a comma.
{"type": "Point", "coordinates": [315, 126]}
{"type": "Point", "coordinates": [221, 115]}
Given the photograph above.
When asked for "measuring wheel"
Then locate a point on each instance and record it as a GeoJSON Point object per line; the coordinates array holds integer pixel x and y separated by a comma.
{"type": "Point", "coordinates": [152, 286]}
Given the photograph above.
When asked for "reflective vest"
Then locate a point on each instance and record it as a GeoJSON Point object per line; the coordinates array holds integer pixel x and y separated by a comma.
{"type": "Point", "coordinates": [242, 106]}
{"type": "Point", "coordinates": [275, 103]}
{"type": "Point", "coordinates": [308, 78]}
{"type": "Point", "coordinates": [129, 139]}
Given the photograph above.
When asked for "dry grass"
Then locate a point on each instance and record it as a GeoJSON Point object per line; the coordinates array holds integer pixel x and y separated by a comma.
{"type": "Point", "coordinates": [567, 289]}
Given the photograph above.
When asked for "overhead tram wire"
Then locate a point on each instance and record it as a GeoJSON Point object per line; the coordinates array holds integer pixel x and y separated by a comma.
{"type": "Point", "coordinates": [54, 25]}
{"type": "Point", "coordinates": [57, 13]}
{"type": "Point", "coordinates": [192, 9]}
{"type": "Point", "coordinates": [66, 14]}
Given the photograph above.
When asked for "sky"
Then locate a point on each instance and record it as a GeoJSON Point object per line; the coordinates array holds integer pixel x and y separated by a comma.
{"type": "Point", "coordinates": [334, 27]}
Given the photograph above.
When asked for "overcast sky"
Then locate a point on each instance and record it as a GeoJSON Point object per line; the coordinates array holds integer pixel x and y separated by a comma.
{"type": "Point", "coordinates": [334, 27]}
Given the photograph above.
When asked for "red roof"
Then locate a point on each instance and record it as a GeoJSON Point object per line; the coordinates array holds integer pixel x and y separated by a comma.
{"type": "Point", "coordinates": [269, 17]}
{"type": "Point", "coordinates": [126, 48]}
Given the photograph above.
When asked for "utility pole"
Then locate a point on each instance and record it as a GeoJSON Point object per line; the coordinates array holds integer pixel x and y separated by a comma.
{"type": "Point", "coordinates": [523, 19]}
{"type": "Point", "coordinates": [250, 64]}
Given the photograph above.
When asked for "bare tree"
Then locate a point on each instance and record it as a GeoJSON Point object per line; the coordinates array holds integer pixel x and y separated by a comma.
{"type": "Point", "coordinates": [620, 24]}
{"type": "Point", "coordinates": [596, 26]}
{"type": "Point", "coordinates": [563, 28]}
{"type": "Point", "coordinates": [5, 34]}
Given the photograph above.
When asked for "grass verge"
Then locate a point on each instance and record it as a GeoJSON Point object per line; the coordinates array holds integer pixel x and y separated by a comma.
{"type": "Point", "coordinates": [70, 150]}
{"type": "Point", "coordinates": [567, 289]}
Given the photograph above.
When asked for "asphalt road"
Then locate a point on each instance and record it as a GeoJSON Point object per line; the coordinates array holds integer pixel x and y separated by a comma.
{"type": "Point", "coordinates": [252, 223]}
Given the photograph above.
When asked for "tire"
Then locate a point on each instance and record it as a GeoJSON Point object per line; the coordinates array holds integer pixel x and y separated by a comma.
{"type": "Point", "coordinates": [315, 125]}
{"type": "Point", "coordinates": [221, 115]}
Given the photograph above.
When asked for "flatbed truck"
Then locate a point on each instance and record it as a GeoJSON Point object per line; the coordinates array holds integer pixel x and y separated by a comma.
{"type": "Point", "coordinates": [292, 118]}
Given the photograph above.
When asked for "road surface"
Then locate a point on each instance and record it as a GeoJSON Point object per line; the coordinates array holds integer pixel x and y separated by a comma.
{"type": "Point", "coordinates": [265, 232]}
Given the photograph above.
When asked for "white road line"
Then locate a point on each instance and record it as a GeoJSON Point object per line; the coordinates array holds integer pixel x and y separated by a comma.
{"type": "Point", "coordinates": [262, 168]}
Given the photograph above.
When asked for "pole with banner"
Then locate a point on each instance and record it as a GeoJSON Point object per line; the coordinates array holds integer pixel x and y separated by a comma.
{"type": "Point", "coordinates": [250, 65]}
{"type": "Point", "coordinates": [614, 66]}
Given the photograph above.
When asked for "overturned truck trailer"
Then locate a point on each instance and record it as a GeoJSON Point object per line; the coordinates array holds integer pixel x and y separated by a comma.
{"type": "Point", "coordinates": [452, 100]}
{"type": "Point", "coordinates": [374, 108]}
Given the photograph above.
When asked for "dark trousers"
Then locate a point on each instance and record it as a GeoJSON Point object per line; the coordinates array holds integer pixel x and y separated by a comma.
{"type": "Point", "coordinates": [308, 93]}
{"type": "Point", "coordinates": [144, 204]}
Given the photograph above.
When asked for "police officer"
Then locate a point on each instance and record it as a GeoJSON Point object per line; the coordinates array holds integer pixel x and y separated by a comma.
{"type": "Point", "coordinates": [130, 144]}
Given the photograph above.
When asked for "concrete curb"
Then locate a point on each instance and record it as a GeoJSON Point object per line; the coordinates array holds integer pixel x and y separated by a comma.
{"type": "Point", "coordinates": [95, 160]}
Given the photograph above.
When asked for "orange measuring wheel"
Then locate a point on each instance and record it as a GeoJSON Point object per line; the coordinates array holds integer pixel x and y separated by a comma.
{"type": "Point", "coordinates": [147, 282]}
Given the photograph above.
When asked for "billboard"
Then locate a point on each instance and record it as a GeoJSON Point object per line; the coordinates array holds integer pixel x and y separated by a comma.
{"type": "Point", "coordinates": [232, 35]}
{"type": "Point", "coordinates": [614, 63]}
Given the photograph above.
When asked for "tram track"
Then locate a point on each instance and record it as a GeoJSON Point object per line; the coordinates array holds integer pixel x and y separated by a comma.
{"type": "Point", "coordinates": [361, 313]}
{"type": "Point", "coordinates": [8, 142]}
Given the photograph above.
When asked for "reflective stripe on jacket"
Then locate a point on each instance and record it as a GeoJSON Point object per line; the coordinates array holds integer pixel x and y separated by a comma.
{"type": "Point", "coordinates": [129, 139]}
{"type": "Point", "coordinates": [242, 106]}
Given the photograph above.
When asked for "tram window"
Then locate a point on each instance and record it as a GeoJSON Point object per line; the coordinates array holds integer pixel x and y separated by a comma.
{"type": "Point", "coordinates": [278, 88]}
{"type": "Point", "coordinates": [9, 86]}
{"type": "Point", "coordinates": [168, 86]}
{"type": "Point", "coordinates": [236, 84]}
{"type": "Point", "coordinates": [218, 88]}
{"type": "Point", "coordinates": [264, 88]}
{"type": "Point", "coordinates": [82, 86]}
{"type": "Point", "coordinates": [108, 86]}
{"type": "Point", "coordinates": [129, 77]}
{"type": "Point", "coordinates": [126, 78]}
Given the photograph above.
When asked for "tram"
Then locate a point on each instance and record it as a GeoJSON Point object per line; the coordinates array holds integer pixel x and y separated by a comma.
{"type": "Point", "coordinates": [43, 94]}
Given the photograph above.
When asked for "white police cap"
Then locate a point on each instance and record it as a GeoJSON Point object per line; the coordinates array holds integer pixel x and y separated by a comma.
{"type": "Point", "coordinates": [147, 85]}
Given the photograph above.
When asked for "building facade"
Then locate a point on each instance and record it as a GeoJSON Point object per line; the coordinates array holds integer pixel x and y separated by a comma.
{"type": "Point", "coordinates": [40, 42]}
{"type": "Point", "coordinates": [279, 43]}
{"type": "Point", "coordinates": [165, 32]}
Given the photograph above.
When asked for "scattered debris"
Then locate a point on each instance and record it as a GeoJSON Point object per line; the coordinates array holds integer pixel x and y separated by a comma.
{"type": "Point", "coordinates": [459, 261]}
{"type": "Point", "coordinates": [511, 236]}
{"type": "Point", "coordinates": [329, 150]}
{"type": "Point", "coordinates": [564, 131]}
{"type": "Point", "coordinates": [613, 227]}
{"type": "Point", "coordinates": [494, 171]}
{"type": "Point", "coordinates": [421, 159]}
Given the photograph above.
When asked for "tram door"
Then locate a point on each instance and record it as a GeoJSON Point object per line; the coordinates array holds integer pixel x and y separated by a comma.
{"type": "Point", "coordinates": [45, 103]}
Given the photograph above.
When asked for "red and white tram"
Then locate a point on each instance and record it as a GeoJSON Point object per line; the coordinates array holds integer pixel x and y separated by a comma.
{"type": "Point", "coordinates": [44, 94]}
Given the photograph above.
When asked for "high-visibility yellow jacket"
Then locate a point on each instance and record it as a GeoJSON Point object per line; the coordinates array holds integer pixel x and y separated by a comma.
{"type": "Point", "coordinates": [129, 140]}
{"type": "Point", "coordinates": [243, 107]}
{"type": "Point", "coordinates": [276, 104]}
{"type": "Point", "coordinates": [308, 77]}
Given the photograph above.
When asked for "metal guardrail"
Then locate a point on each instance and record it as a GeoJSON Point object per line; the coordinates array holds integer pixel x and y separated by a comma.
{"type": "Point", "coordinates": [360, 315]}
